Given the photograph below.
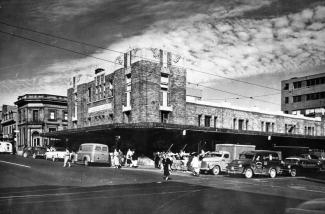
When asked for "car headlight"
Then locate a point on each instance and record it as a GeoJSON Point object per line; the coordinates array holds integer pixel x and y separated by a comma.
{"type": "Point", "coordinates": [289, 166]}
{"type": "Point", "coordinates": [240, 165]}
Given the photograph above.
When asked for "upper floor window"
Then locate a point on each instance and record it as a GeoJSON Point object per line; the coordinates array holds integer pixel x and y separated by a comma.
{"type": "Point", "coordinates": [35, 115]}
{"type": "Point", "coordinates": [207, 120]}
{"type": "Point", "coordinates": [297, 84]}
{"type": "Point", "coordinates": [52, 114]}
{"type": "Point", "coordinates": [286, 100]}
{"type": "Point", "coordinates": [65, 115]}
{"type": "Point", "coordinates": [297, 98]}
{"type": "Point", "coordinates": [240, 124]}
{"type": "Point", "coordinates": [286, 86]}
{"type": "Point", "coordinates": [89, 94]}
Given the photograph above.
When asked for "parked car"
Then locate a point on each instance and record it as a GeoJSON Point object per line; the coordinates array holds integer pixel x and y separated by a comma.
{"type": "Point", "coordinates": [258, 162]}
{"type": "Point", "coordinates": [5, 147]}
{"type": "Point", "coordinates": [215, 162]}
{"type": "Point", "coordinates": [55, 153]}
{"type": "Point", "coordinates": [35, 152]}
{"type": "Point", "coordinates": [297, 165]}
{"type": "Point", "coordinates": [314, 206]}
{"type": "Point", "coordinates": [93, 153]}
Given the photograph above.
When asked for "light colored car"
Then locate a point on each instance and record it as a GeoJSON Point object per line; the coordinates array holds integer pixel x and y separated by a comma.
{"type": "Point", "coordinates": [55, 153]}
{"type": "Point", "coordinates": [93, 153]}
{"type": "Point", "coordinates": [5, 147]}
{"type": "Point", "coordinates": [215, 162]}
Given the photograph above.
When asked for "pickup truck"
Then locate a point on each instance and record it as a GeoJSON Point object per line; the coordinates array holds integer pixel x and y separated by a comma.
{"type": "Point", "coordinates": [55, 153]}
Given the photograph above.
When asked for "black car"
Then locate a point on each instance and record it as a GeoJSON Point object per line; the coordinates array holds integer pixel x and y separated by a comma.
{"type": "Point", "coordinates": [35, 152]}
{"type": "Point", "coordinates": [298, 165]}
{"type": "Point", "coordinates": [258, 162]}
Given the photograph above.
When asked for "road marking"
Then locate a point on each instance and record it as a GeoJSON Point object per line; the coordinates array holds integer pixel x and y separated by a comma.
{"type": "Point", "coordinates": [117, 196]}
{"type": "Point", "coordinates": [15, 164]}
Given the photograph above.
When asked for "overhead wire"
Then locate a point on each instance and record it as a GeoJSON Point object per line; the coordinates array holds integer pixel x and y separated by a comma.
{"type": "Point", "coordinates": [110, 61]}
{"type": "Point", "coordinates": [112, 50]}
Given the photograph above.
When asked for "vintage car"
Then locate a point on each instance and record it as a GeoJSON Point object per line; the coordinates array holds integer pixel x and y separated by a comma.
{"type": "Point", "coordinates": [5, 147]}
{"type": "Point", "coordinates": [55, 153]}
{"type": "Point", "coordinates": [35, 152]}
{"type": "Point", "coordinates": [258, 162]}
{"type": "Point", "coordinates": [93, 153]}
{"type": "Point", "coordinates": [215, 162]}
{"type": "Point", "coordinates": [297, 165]}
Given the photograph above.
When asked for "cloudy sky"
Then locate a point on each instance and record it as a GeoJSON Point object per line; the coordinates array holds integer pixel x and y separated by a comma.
{"type": "Point", "coordinates": [254, 41]}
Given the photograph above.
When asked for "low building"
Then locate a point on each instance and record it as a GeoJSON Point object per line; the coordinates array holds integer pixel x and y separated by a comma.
{"type": "Point", "coordinates": [148, 94]}
{"type": "Point", "coordinates": [37, 114]}
{"type": "Point", "coordinates": [304, 95]}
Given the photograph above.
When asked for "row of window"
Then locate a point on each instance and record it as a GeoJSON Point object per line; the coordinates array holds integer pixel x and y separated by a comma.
{"type": "Point", "coordinates": [313, 96]}
{"type": "Point", "coordinates": [8, 129]}
{"type": "Point", "coordinates": [8, 116]}
{"type": "Point", "coordinates": [100, 92]}
{"type": "Point", "coordinates": [307, 83]}
{"type": "Point", "coordinates": [53, 115]}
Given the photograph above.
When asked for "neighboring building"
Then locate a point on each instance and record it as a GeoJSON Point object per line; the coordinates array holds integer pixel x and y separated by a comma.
{"type": "Point", "coordinates": [149, 95]}
{"type": "Point", "coordinates": [37, 114]}
{"type": "Point", "coordinates": [8, 123]}
{"type": "Point", "coordinates": [304, 95]}
{"type": "Point", "coordinates": [1, 134]}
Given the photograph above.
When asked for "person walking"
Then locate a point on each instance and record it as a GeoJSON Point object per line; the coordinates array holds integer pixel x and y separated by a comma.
{"type": "Point", "coordinates": [129, 158]}
{"type": "Point", "coordinates": [66, 158]}
{"type": "Point", "coordinates": [166, 162]}
{"type": "Point", "coordinates": [116, 159]}
{"type": "Point", "coordinates": [196, 165]}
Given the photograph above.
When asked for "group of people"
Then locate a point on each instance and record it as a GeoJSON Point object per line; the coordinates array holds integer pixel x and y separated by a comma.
{"type": "Point", "coordinates": [164, 160]}
{"type": "Point", "coordinates": [129, 160]}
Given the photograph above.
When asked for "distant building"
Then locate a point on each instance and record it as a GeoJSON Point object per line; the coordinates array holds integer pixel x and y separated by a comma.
{"type": "Point", "coordinates": [37, 114]}
{"type": "Point", "coordinates": [146, 101]}
{"type": "Point", "coordinates": [304, 96]}
{"type": "Point", "coordinates": [8, 122]}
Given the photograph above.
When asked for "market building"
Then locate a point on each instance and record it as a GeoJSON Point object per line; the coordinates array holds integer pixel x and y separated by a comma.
{"type": "Point", "coordinates": [146, 103]}
{"type": "Point", "coordinates": [304, 95]}
{"type": "Point", "coordinates": [37, 114]}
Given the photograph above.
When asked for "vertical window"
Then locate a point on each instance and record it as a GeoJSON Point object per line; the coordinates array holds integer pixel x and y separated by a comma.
{"type": "Point", "coordinates": [286, 86]}
{"type": "Point", "coordinates": [52, 115]}
{"type": "Point", "coordinates": [89, 94]}
{"type": "Point", "coordinates": [215, 122]}
{"type": "Point", "coordinates": [234, 123]}
{"type": "Point", "coordinates": [247, 121]}
{"type": "Point", "coordinates": [164, 116]}
{"type": "Point", "coordinates": [199, 120]}
{"type": "Point", "coordinates": [65, 116]}
{"type": "Point", "coordinates": [267, 127]}
{"type": "Point", "coordinates": [240, 124]}
{"type": "Point", "coordinates": [286, 100]}
{"type": "Point", "coordinates": [262, 126]}
{"type": "Point", "coordinates": [35, 115]}
{"type": "Point", "coordinates": [272, 127]}
{"type": "Point", "coordinates": [207, 120]}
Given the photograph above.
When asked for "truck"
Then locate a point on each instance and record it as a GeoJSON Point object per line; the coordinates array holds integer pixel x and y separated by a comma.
{"type": "Point", "coordinates": [217, 161]}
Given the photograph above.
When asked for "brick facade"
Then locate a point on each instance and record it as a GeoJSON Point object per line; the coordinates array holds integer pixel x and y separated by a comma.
{"type": "Point", "coordinates": [154, 90]}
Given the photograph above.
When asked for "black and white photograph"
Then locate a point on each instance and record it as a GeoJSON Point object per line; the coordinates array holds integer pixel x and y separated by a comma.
{"type": "Point", "coordinates": [162, 106]}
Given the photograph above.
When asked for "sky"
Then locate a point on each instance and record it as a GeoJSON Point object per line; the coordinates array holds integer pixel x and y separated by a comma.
{"type": "Point", "coordinates": [256, 41]}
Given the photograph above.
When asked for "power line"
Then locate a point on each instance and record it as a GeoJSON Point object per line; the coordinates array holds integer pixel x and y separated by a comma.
{"type": "Point", "coordinates": [228, 92]}
{"type": "Point", "coordinates": [236, 98]}
{"type": "Point", "coordinates": [76, 52]}
{"type": "Point", "coordinates": [58, 47]}
{"type": "Point", "coordinates": [96, 46]}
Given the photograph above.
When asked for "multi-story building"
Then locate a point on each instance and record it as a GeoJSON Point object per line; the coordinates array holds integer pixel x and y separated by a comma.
{"type": "Point", "coordinates": [304, 95]}
{"type": "Point", "coordinates": [37, 114]}
{"type": "Point", "coordinates": [8, 122]}
{"type": "Point", "coordinates": [149, 92]}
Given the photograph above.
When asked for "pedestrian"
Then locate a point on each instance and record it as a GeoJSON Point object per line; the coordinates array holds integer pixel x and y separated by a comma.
{"type": "Point", "coordinates": [66, 158]}
{"type": "Point", "coordinates": [129, 158]}
{"type": "Point", "coordinates": [120, 157]}
{"type": "Point", "coordinates": [166, 162]}
{"type": "Point", "coordinates": [157, 160]}
{"type": "Point", "coordinates": [196, 165]}
{"type": "Point", "coordinates": [116, 159]}
{"type": "Point", "coordinates": [134, 158]}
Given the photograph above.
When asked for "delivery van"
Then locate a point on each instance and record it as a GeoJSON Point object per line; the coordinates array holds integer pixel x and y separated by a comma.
{"type": "Point", "coordinates": [93, 153]}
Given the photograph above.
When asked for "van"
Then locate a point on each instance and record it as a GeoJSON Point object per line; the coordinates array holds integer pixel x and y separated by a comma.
{"type": "Point", "coordinates": [93, 153]}
{"type": "Point", "coordinates": [5, 147]}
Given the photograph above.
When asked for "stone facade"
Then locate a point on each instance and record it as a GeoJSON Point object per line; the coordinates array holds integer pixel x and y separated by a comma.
{"type": "Point", "coordinates": [8, 122]}
{"type": "Point", "coordinates": [37, 114]}
{"type": "Point", "coordinates": [153, 89]}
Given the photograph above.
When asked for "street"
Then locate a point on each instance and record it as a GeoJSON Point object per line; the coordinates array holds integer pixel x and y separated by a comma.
{"type": "Point", "coordinates": [41, 186]}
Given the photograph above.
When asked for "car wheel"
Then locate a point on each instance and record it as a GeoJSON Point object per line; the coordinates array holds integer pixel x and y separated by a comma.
{"type": "Point", "coordinates": [34, 156]}
{"type": "Point", "coordinates": [53, 159]}
{"type": "Point", "coordinates": [25, 155]}
{"type": "Point", "coordinates": [216, 170]}
{"type": "Point", "coordinates": [249, 173]}
{"type": "Point", "coordinates": [293, 172]}
{"type": "Point", "coordinates": [86, 162]}
{"type": "Point", "coordinates": [272, 173]}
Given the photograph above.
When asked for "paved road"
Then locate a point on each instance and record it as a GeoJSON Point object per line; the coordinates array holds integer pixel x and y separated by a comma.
{"type": "Point", "coordinates": [40, 186]}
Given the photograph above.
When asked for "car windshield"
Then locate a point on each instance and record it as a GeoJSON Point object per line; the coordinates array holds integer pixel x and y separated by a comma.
{"type": "Point", "coordinates": [214, 155]}
{"type": "Point", "coordinates": [246, 156]}
{"type": "Point", "coordinates": [59, 149]}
